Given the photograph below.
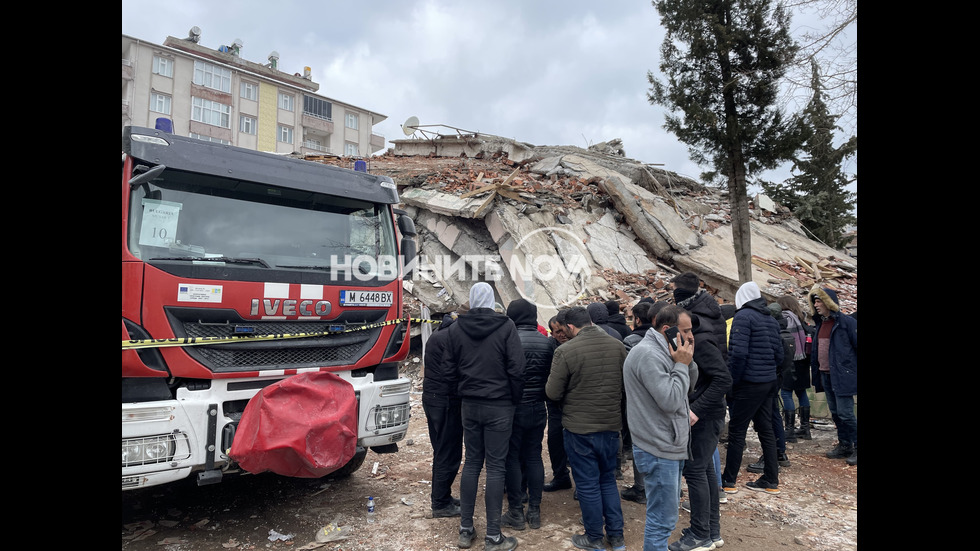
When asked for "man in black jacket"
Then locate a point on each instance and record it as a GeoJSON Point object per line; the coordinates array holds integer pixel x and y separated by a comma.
{"type": "Point", "coordinates": [486, 350]}
{"type": "Point", "coordinates": [707, 400]}
{"type": "Point", "coordinates": [440, 402]}
{"type": "Point", "coordinates": [524, 457]}
{"type": "Point", "coordinates": [617, 320]}
{"type": "Point", "coordinates": [561, 480]}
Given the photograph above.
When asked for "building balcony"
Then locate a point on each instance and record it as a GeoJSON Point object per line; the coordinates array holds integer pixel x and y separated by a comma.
{"type": "Point", "coordinates": [127, 69]}
{"type": "Point", "coordinates": [318, 124]}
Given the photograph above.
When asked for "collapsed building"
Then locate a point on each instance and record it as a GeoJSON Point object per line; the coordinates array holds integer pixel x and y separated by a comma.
{"type": "Point", "coordinates": [563, 225]}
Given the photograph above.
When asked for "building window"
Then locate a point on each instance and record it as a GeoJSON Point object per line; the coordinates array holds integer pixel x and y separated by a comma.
{"type": "Point", "coordinates": [285, 102]}
{"type": "Point", "coordinates": [209, 139]}
{"type": "Point", "coordinates": [246, 124]}
{"type": "Point", "coordinates": [351, 121]}
{"type": "Point", "coordinates": [163, 66]}
{"type": "Point", "coordinates": [159, 103]}
{"type": "Point", "coordinates": [350, 149]}
{"type": "Point", "coordinates": [250, 90]}
{"type": "Point", "coordinates": [212, 76]}
{"type": "Point", "coordinates": [210, 112]}
{"type": "Point", "coordinates": [317, 107]}
{"type": "Point", "coordinates": [285, 134]}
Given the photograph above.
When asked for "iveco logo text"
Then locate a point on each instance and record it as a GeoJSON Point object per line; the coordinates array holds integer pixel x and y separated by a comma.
{"type": "Point", "coordinates": [290, 307]}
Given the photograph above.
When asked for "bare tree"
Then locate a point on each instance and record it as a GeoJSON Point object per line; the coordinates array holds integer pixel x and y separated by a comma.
{"type": "Point", "coordinates": [828, 36]}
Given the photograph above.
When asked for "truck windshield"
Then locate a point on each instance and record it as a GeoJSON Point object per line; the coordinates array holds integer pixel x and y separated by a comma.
{"type": "Point", "coordinates": [194, 217]}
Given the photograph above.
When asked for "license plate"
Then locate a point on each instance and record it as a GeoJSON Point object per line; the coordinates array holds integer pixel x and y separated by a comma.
{"type": "Point", "coordinates": [365, 298]}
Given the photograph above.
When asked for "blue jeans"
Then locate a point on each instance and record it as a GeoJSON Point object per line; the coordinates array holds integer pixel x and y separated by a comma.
{"type": "Point", "coordinates": [661, 477]}
{"type": "Point", "coordinates": [842, 412]}
{"type": "Point", "coordinates": [524, 456]}
{"type": "Point", "coordinates": [801, 397]}
{"type": "Point", "coordinates": [592, 458]}
{"type": "Point", "coordinates": [486, 436]}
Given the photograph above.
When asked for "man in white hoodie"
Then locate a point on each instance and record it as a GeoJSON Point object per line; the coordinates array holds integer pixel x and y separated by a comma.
{"type": "Point", "coordinates": [658, 376]}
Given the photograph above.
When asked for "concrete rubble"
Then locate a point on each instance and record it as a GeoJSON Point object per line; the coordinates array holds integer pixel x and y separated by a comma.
{"type": "Point", "coordinates": [562, 225]}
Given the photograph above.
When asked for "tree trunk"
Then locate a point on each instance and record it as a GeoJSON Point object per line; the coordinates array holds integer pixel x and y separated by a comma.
{"type": "Point", "coordinates": [741, 228]}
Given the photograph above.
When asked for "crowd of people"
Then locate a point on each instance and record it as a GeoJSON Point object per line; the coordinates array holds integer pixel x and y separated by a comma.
{"type": "Point", "coordinates": [656, 394]}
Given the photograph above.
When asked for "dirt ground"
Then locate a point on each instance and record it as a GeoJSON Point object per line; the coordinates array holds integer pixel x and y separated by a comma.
{"type": "Point", "coordinates": [816, 509]}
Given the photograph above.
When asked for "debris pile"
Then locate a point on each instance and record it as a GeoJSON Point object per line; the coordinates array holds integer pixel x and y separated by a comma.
{"type": "Point", "coordinates": [562, 225]}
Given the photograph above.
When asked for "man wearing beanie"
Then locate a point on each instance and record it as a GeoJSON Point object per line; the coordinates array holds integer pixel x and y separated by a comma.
{"type": "Point", "coordinates": [587, 379]}
{"type": "Point", "coordinates": [524, 457]}
{"type": "Point", "coordinates": [755, 349]}
{"type": "Point", "coordinates": [833, 363]}
{"type": "Point", "coordinates": [708, 408]}
{"type": "Point", "coordinates": [616, 319]}
{"type": "Point", "coordinates": [486, 350]}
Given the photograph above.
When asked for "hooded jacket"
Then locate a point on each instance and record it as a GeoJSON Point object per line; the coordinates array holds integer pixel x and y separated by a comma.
{"type": "Point", "coordinates": [617, 320]}
{"type": "Point", "coordinates": [486, 350]}
{"type": "Point", "coordinates": [657, 398]}
{"type": "Point", "coordinates": [755, 349]}
{"type": "Point", "coordinates": [843, 345]}
{"type": "Point", "coordinates": [538, 350]}
{"type": "Point", "coordinates": [706, 308]}
{"type": "Point", "coordinates": [587, 380]}
{"type": "Point", "coordinates": [600, 318]}
{"type": "Point", "coordinates": [440, 377]}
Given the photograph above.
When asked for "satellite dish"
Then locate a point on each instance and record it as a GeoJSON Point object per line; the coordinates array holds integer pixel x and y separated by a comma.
{"type": "Point", "coordinates": [194, 35]}
{"type": "Point", "coordinates": [410, 126]}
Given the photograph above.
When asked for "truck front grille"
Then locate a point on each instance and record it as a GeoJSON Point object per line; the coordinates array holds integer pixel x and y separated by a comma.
{"type": "Point", "coordinates": [321, 351]}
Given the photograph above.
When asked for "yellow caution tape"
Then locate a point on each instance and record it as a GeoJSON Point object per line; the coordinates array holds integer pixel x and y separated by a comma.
{"type": "Point", "coordinates": [197, 341]}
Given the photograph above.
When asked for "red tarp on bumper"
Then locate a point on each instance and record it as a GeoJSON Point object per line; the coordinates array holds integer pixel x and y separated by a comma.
{"type": "Point", "coordinates": [303, 426]}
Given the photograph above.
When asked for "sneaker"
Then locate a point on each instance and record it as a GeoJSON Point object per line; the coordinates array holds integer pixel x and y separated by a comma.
{"type": "Point", "coordinates": [466, 538]}
{"type": "Point", "coordinates": [841, 451]}
{"type": "Point", "coordinates": [513, 519]}
{"type": "Point", "coordinates": [534, 517]}
{"type": "Point", "coordinates": [616, 542]}
{"type": "Point", "coordinates": [502, 543]}
{"type": "Point", "coordinates": [714, 539]}
{"type": "Point", "coordinates": [728, 487]}
{"type": "Point", "coordinates": [762, 486]}
{"type": "Point", "coordinates": [686, 505]}
{"type": "Point", "coordinates": [722, 498]}
{"type": "Point", "coordinates": [783, 460]}
{"type": "Point", "coordinates": [689, 543]}
{"type": "Point", "coordinates": [634, 494]}
{"type": "Point", "coordinates": [450, 511]}
{"type": "Point", "coordinates": [582, 541]}
{"type": "Point", "coordinates": [555, 485]}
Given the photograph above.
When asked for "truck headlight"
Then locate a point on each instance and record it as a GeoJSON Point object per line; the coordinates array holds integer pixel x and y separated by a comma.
{"type": "Point", "coordinates": [390, 416]}
{"type": "Point", "coordinates": [148, 449]}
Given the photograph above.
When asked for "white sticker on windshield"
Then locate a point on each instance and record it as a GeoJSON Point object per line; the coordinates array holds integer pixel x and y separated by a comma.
{"type": "Point", "coordinates": [159, 222]}
{"type": "Point", "coordinates": [187, 292]}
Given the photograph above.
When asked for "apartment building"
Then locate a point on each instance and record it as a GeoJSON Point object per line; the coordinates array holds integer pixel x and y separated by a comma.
{"type": "Point", "coordinates": [216, 95]}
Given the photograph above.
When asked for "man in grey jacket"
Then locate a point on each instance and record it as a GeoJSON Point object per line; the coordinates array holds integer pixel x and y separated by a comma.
{"type": "Point", "coordinates": [658, 375]}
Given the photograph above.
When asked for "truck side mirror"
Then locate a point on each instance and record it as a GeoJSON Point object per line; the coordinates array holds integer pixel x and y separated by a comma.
{"type": "Point", "coordinates": [409, 249]}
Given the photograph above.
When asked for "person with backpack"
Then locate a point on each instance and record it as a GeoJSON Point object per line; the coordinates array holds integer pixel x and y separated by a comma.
{"type": "Point", "coordinates": [797, 380]}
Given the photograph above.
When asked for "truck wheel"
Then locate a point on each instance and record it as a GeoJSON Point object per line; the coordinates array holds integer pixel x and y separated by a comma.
{"type": "Point", "coordinates": [351, 466]}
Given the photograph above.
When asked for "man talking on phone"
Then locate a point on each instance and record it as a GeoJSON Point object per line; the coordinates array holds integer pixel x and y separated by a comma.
{"type": "Point", "coordinates": [658, 374]}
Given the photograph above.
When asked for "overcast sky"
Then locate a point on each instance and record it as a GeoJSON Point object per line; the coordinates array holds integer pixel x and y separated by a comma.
{"type": "Point", "coordinates": [548, 72]}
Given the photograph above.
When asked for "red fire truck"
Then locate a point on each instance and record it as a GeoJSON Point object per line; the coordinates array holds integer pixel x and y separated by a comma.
{"type": "Point", "coordinates": [261, 313]}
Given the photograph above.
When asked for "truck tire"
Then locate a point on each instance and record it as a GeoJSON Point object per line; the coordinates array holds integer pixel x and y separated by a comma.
{"type": "Point", "coordinates": [351, 466]}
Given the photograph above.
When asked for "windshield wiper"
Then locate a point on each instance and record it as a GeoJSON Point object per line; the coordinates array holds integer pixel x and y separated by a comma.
{"type": "Point", "coordinates": [323, 268]}
{"type": "Point", "coordinates": [225, 259]}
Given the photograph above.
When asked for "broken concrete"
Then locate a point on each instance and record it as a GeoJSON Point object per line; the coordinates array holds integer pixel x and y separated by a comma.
{"type": "Point", "coordinates": [568, 225]}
